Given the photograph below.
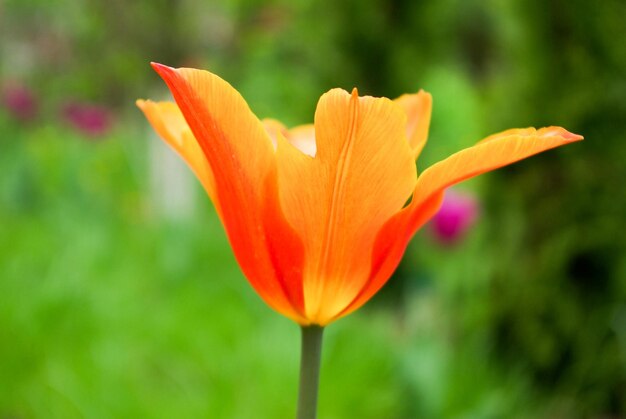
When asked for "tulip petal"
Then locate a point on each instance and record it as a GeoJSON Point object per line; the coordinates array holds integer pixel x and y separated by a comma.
{"type": "Point", "coordinates": [170, 124]}
{"type": "Point", "coordinates": [491, 153]}
{"type": "Point", "coordinates": [301, 137]}
{"type": "Point", "coordinates": [242, 159]}
{"type": "Point", "coordinates": [362, 174]}
{"type": "Point", "coordinates": [418, 109]}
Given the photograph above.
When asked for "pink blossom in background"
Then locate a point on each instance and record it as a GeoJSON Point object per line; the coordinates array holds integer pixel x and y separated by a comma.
{"type": "Point", "coordinates": [457, 214]}
{"type": "Point", "coordinates": [19, 101]}
{"type": "Point", "coordinates": [91, 120]}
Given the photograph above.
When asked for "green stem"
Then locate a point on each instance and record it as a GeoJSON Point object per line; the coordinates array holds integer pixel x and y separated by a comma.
{"type": "Point", "coordinates": [309, 371]}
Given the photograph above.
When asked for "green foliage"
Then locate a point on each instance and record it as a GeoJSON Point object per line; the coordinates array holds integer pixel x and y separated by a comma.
{"type": "Point", "coordinates": [108, 309]}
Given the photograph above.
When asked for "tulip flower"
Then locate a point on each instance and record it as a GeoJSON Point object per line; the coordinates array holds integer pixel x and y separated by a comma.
{"type": "Point", "coordinates": [319, 215]}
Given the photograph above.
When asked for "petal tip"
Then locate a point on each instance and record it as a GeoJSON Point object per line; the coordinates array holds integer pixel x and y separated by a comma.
{"type": "Point", "coordinates": [162, 68]}
{"type": "Point", "coordinates": [570, 136]}
{"type": "Point", "coordinates": [423, 93]}
{"type": "Point", "coordinates": [563, 133]}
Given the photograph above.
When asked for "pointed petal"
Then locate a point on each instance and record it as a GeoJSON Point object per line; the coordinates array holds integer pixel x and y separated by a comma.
{"type": "Point", "coordinates": [170, 124]}
{"type": "Point", "coordinates": [418, 109]}
{"type": "Point", "coordinates": [243, 162]}
{"type": "Point", "coordinates": [491, 153]}
{"type": "Point", "coordinates": [362, 174]}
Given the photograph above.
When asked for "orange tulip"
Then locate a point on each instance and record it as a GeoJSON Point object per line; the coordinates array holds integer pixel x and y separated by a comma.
{"type": "Point", "coordinates": [317, 215]}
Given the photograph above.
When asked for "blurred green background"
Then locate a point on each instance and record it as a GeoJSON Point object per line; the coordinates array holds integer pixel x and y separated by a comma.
{"type": "Point", "coordinates": [120, 297]}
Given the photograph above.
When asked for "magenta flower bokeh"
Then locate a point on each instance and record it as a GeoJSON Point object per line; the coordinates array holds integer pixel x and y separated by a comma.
{"type": "Point", "coordinates": [88, 119]}
{"type": "Point", "coordinates": [20, 102]}
{"type": "Point", "coordinates": [456, 216]}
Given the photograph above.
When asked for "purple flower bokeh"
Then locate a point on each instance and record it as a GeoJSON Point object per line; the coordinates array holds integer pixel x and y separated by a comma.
{"type": "Point", "coordinates": [19, 101]}
{"type": "Point", "coordinates": [91, 120]}
{"type": "Point", "coordinates": [457, 214]}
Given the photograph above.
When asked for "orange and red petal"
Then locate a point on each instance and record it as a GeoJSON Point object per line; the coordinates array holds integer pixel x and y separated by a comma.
{"type": "Point", "coordinates": [491, 153]}
{"type": "Point", "coordinates": [242, 159]}
{"type": "Point", "coordinates": [362, 174]}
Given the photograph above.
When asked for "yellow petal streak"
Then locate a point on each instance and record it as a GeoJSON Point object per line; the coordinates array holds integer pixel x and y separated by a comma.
{"type": "Point", "coordinates": [169, 122]}
{"type": "Point", "coordinates": [362, 174]}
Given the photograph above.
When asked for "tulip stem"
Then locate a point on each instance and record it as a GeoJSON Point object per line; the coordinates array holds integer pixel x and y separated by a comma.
{"type": "Point", "coordinates": [309, 371]}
